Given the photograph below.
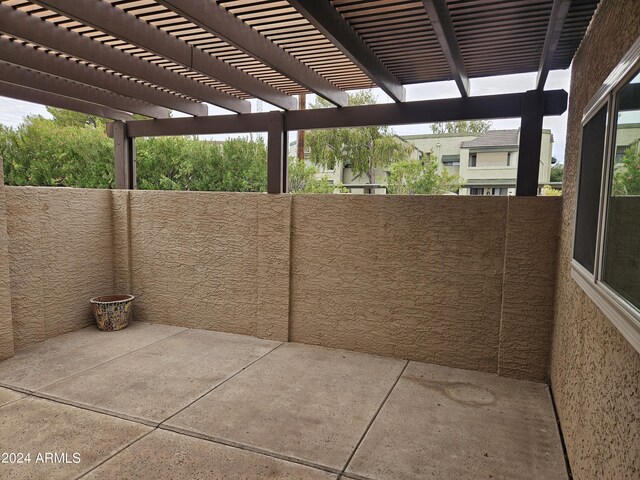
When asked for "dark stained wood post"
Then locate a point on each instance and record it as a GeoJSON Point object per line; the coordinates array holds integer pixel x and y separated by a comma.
{"type": "Point", "coordinates": [124, 157]}
{"type": "Point", "coordinates": [277, 177]}
{"type": "Point", "coordinates": [302, 105]}
{"type": "Point", "coordinates": [533, 107]}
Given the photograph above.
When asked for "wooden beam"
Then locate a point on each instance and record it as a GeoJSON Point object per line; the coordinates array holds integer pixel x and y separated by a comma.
{"type": "Point", "coordinates": [559, 13]}
{"type": "Point", "coordinates": [35, 30]}
{"type": "Point", "coordinates": [427, 111]}
{"type": "Point", "coordinates": [530, 140]}
{"type": "Point", "coordinates": [214, 124]}
{"type": "Point", "coordinates": [440, 19]}
{"type": "Point", "coordinates": [217, 20]}
{"type": "Point", "coordinates": [124, 157]}
{"type": "Point", "coordinates": [48, 83]}
{"type": "Point", "coordinates": [114, 21]}
{"type": "Point", "coordinates": [328, 21]}
{"type": "Point", "coordinates": [26, 94]}
{"type": "Point", "coordinates": [276, 154]}
{"type": "Point", "coordinates": [34, 59]}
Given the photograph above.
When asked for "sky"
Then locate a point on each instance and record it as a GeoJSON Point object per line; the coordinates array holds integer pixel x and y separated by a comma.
{"type": "Point", "coordinates": [13, 112]}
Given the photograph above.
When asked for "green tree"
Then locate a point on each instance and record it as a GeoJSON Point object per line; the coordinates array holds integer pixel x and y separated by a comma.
{"type": "Point", "coordinates": [422, 178]}
{"type": "Point", "coordinates": [302, 179]}
{"type": "Point", "coordinates": [73, 150]}
{"type": "Point", "coordinates": [162, 163]}
{"type": "Point", "coordinates": [626, 178]}
{"type": "Point", "coordinates": [365, 149]}
{"type": "Point", "coordinates": [44, 153]}
{"type": "Point", "coordinates": [548, 191]}
{"type": "Point", "coordinates": [557, 172]}
{"type": "Point", "coordinates": [244, 165]}
{"type": "Point", "coordinates": [473, 126]}
{"type": "Point", "coordinates": [69, 118]}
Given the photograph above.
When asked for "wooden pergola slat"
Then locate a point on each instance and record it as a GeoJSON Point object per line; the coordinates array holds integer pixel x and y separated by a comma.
{"type": "Point", "coordinates": [29, 28]}
{"type": "Point", "coordinates": [49, 99]}
{"type": "Point", "coordinates": [114, 21]}
{"type": "Point", "coordinates": [217, 20]}
{"type": "Point", "coordinates": [333, 26]}
{"type": "Point", "coordinates": [52, 64]}
{"type": "Point", "coordinates": [48, 83]}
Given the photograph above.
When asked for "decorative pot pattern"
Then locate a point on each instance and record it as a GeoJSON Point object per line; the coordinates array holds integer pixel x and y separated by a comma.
{"type": "Point", "coordinates": [112, 312]}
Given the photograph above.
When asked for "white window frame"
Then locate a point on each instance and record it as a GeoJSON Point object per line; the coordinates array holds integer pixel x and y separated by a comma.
{"type": "Point", "coordinates": [624, 316]}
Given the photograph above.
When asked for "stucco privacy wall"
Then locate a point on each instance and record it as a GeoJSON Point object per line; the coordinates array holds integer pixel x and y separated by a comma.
{"type": "Point", "coordinates": [218, 261]}
{"type": "Point", "coordinates": [423, 278]}
{"type": "Point", "coordinates": [595, 373]}
{"type": "Point", "coordinates": [6, 323]}
{"type": "Point", "coordinates": [529, 287]}
{"type": "Point", "coordinates": [60, 253]}
{"type": "Point", "coordinates": [439, 279]}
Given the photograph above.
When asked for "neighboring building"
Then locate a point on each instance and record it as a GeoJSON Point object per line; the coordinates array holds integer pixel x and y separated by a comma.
{"type": "Point", "coordinates": [488, 162]}
{"type": "Point", "coordinates": [342, 175]}
{"type": "Point", "coordinates": [627, 134]}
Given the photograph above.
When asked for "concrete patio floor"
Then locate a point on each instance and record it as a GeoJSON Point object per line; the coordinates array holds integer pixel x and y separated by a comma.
{"type": "Point", "coordinates": [156, 401]}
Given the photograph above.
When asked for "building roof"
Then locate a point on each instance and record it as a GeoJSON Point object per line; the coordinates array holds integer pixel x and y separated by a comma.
{"type": "Point", "coordinates": [493, 138]}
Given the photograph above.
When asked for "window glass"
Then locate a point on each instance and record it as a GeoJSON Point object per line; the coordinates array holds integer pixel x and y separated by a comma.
{"type": "Point", "coordinates": [593, 137]}
{"type": "Point", "coordinates": [621, 256]}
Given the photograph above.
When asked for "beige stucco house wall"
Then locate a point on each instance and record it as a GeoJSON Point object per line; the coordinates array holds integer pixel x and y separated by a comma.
{"type": "Point", "coordinates": [595, 372]}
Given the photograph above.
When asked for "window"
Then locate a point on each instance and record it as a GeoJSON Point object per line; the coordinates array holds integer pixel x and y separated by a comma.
{"type": "Point", "coordinates": [499, 191]}
{"type": "Point", "coordinates": [476, 191]}
{"type": "Point", "coordinates": [590, 179]}
{"type": "Point", "coordinates": [606, 247]}
{"type": "Point", "coordinates": [621, 253]}
{"type": "Point", "coordinates": [473, 159]}
{"type": "Point", "coordinates": [508, 159]}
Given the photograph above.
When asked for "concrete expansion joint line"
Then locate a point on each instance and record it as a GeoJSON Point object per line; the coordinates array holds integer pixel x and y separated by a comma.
{"type": "Point", "coordinates": [117, 452]}
{"type": "Point", "coordinates": [154, 427]}
{"type": "Point", "coordinates": [222, 383]}
{"type": "Point", "coordinates": [249, 448]}
{"type": "Point", "coordinates": [373, 418]}
{"type": "Point", "coordinates": [35, 392]}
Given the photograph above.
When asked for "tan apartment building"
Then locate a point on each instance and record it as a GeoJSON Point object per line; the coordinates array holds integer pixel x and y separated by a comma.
{"type": "Point", "coordinates": [488, 161]}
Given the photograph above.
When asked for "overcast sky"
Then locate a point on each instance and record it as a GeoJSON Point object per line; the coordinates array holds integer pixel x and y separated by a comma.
{"type": "Point", "coordinates": [12, 112]}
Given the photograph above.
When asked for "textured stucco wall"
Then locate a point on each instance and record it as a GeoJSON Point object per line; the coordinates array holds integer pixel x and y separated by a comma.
{"type": "Point", "coordinates": [60, 251]}
{"type": "Point", "coordinates": [595, 373]}
{"type": "Point", "coordinates": [218, 261]}
{"type": "Point", "coordinates": [422, 278]}
{"type": "Point", "coordinates": [413, 277]}
{"type": "Point", "coordinates": [528, 289]}
{"type": "Point", "coordinates": [6, 323]}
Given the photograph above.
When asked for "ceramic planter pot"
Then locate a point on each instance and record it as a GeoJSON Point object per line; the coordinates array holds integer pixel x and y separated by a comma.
{"type": "Point", "coordinates": [112, 312]}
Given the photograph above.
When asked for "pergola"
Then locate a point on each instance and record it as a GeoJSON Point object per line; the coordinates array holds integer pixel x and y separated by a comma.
{"type": "Point", "coordinates": [114, 58]}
